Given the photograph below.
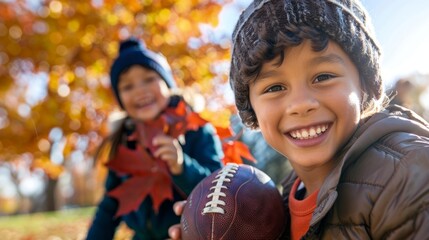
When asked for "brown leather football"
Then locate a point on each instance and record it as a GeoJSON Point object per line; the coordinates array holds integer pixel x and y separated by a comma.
{"type": "Point", "coordinates": [235, 202]}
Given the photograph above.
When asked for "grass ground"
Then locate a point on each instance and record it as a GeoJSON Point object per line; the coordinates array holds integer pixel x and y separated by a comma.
{"type": "Point", "coordinates": [62, 225]}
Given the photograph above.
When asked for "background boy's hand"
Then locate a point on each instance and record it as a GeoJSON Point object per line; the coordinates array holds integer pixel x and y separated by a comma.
{"type": "Point", "coordinates": [170, 151]}
{"type": "Point", "coordinates": [174, 231]}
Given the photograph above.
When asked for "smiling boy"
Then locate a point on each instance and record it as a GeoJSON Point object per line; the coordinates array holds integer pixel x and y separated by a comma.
{"type": "Point", "coordinates": [306, 74]}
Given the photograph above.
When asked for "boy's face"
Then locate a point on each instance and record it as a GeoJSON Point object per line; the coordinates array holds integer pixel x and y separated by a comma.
{"type": "Point", "coordinates": [143, 93]}
{"type": "Point", "coordinates": [309, 106]}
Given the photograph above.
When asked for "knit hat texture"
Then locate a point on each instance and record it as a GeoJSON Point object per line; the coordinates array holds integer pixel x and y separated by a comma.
{"type": "Point", "coordinates": [343, 21]}
{"type": "Point", "coordinates": [134, 52]}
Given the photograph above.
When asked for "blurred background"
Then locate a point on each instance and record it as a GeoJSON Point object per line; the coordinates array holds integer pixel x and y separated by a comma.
{"type": "Point", "coordinates": [56, 105]}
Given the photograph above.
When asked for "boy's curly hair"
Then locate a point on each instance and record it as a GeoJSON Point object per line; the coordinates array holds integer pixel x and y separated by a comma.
{"type": "Point", "coordinates": [267, 27]}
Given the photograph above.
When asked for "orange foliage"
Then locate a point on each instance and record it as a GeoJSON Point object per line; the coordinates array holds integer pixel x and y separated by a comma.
{"type": "Point", "coordinates": [52, 170]}
{"type": "Point", "coordinates": [73, 43]}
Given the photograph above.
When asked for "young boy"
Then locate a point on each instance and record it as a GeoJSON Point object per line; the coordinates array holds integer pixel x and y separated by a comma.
{"type": "Point", "coordinates": [306, 74]}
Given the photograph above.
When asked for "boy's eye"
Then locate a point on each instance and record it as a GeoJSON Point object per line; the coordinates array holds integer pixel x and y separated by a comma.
{"type": "Point", "coordinates": [126, 87]}
{"type": "Point", "coordinates": [323, 77]}
{"type": "Point", "coordinates": [275, 88]}
{"type": "Point", "coordinates": [152, 79]}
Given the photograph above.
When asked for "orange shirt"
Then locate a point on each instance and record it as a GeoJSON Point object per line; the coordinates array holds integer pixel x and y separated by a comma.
{"type": "Point", "coordinates": [301, 211]}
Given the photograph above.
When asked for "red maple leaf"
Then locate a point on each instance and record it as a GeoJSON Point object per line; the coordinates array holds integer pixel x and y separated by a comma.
{"type": "Point", "coordinates": [177, 129]}
{"type": "Point", "coordinates": [127, 161]}
{"type": "Point", "coordinates": [148, 130]}
{"type": "Point", "coordinates": [181, 119]}
{"type": "Point", "coordinates": [129, 198]}
{"type": "Point", "coordinates": [148, 176]}
{"type": "Point", "coordinates": [179, 111]}
{"type": "Point", "coordinates": [159, 193]}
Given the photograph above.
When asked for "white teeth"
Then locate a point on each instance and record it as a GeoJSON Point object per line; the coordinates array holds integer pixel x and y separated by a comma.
{"type": "Point", "coordinates": [304, 133]}
{"type": "Point", "coordinates": [312, 132]}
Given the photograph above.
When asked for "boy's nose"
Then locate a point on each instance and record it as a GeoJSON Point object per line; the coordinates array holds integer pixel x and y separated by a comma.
{"type": "Point", "coordinates": [301, 103]}
{"type": "Point", "coordinates": [142, 86]}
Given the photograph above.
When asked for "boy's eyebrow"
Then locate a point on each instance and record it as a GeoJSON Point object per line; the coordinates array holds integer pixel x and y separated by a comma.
{"type": "Point", "coordinates": [329, 58]}
{"type": "Point", "coordinates": [266, 74]}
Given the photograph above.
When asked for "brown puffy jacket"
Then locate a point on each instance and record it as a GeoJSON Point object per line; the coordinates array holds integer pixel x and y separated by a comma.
{"type": "Point", "coordinates": [380, 187]}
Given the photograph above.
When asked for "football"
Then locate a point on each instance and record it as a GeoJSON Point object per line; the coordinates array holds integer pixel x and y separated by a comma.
{"type": "Point", "coordinates": [236, 202]}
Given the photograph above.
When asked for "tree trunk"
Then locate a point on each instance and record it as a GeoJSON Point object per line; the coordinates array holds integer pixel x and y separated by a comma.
{"type": "Point", "coordinates": [51, 195]}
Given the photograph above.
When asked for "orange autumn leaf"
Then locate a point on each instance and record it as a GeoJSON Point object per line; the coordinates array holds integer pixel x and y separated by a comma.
{"type": "Point", "coordinates": [194, 121]}
{"type": "Point", "coordinates": [224, 132]}
{"type": "Point", "coordinates": [235, 152]}
{"type": "Point", "coordinates": [181, 119]}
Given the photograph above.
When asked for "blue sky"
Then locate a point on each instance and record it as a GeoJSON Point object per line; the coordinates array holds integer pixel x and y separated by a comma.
{"type": "Point", "coordinates": [401, 26]}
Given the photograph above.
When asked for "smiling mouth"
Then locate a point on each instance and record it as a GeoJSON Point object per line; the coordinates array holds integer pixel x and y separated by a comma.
{"type": "Point", "coordinates": [142, 104]}
{"type": "Point", "coordinates": [309, 133]}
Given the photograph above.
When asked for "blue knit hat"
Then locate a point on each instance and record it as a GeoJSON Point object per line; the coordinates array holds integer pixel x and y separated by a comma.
{"type": "Point", "coordinates": [134, 52]}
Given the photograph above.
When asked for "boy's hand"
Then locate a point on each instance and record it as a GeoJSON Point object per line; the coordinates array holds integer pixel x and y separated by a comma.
{"type": "Point", "coordinates": [170, 151]}
{"type": "Point", "coordinates": [174, 231]}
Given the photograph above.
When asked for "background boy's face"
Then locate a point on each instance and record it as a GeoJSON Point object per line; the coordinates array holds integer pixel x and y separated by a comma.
{"type": "Point", "coordinates": [143, 93]}
{"type": "Point", "coordinates": [309, 106]}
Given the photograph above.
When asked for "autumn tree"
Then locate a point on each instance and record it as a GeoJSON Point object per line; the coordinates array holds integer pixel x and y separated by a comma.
{"type": "Point", "coordinates": [54, 61]}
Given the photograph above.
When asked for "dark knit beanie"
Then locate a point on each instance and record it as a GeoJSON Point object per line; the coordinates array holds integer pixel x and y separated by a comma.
{"type": "Point", "coordinates": [134, 52]}
{"type": "Point", "coordinates": [264, 22]}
